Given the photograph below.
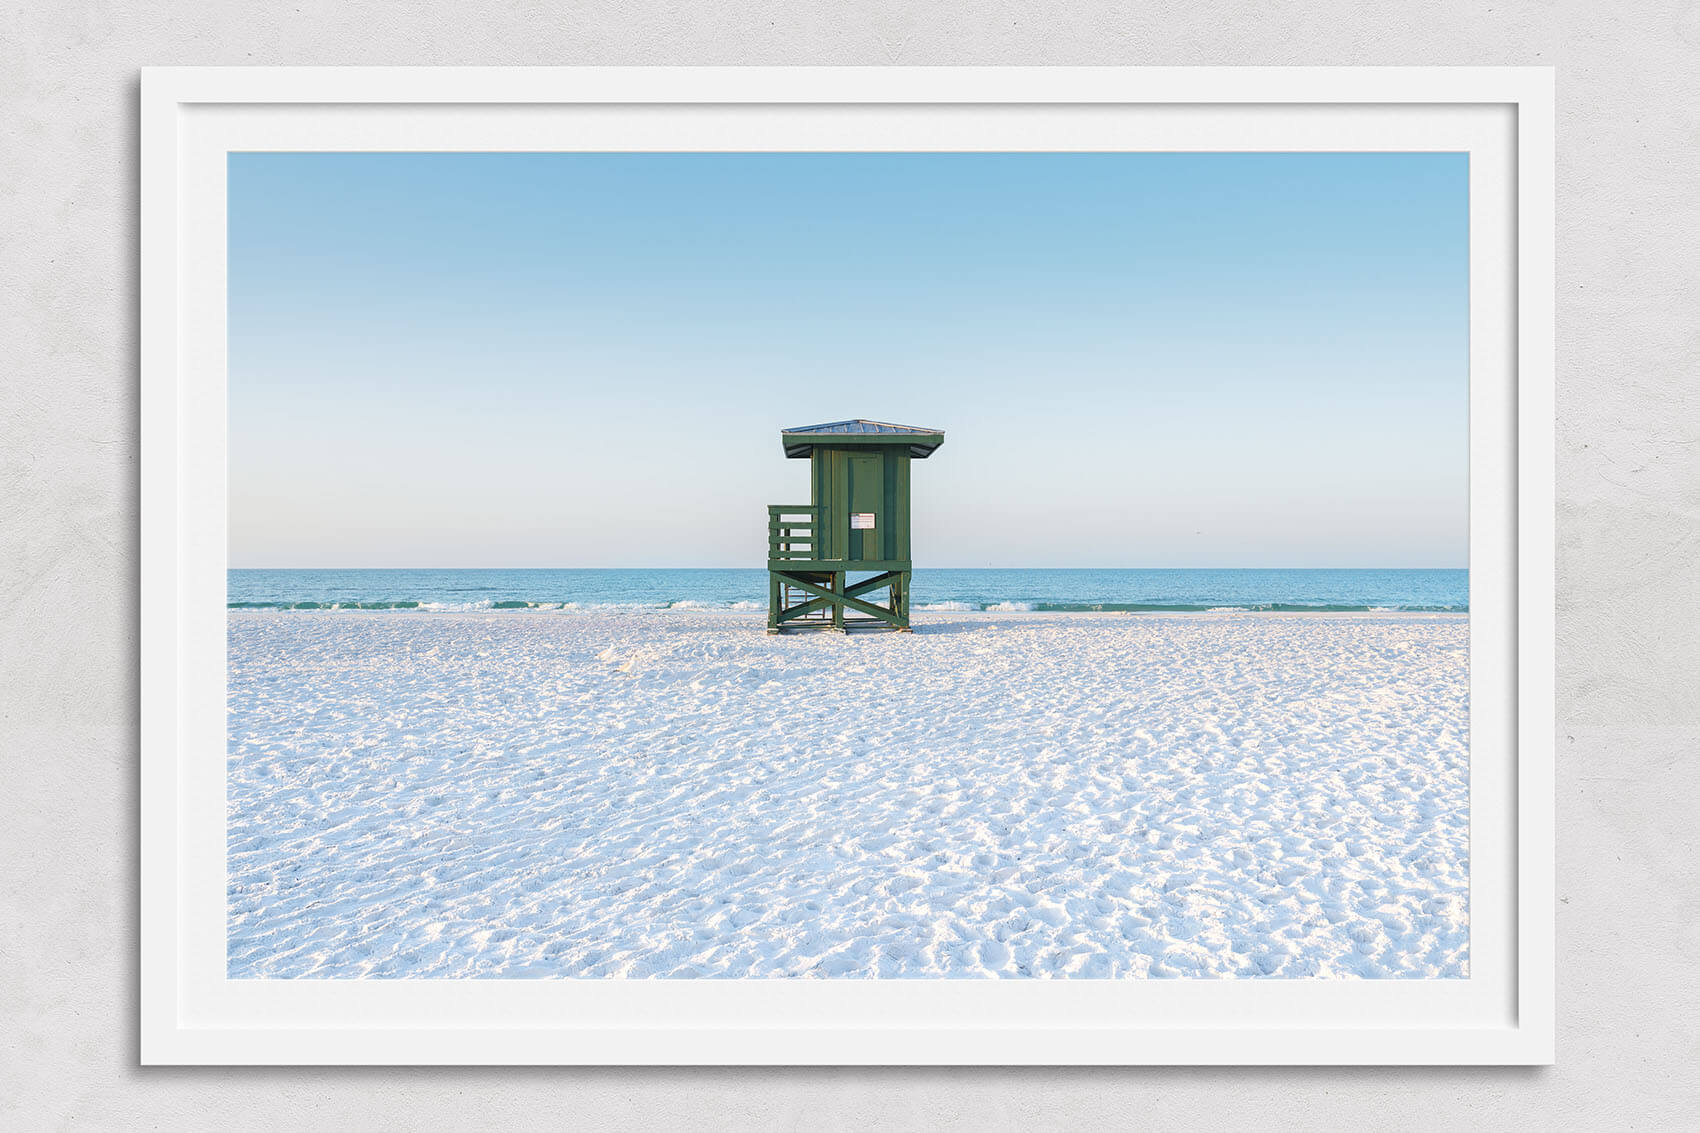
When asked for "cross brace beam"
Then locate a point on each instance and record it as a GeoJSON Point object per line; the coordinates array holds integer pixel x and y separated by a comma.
{"type": "Point", "coordinates": [846, 599]}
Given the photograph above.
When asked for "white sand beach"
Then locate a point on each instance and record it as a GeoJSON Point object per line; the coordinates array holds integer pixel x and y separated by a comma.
{"type": "Point", "coordinates": [673, 794]}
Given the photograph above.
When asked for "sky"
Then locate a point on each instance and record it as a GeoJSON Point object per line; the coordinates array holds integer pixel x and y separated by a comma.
{"type": "Point", "coordinates": [585, 360]}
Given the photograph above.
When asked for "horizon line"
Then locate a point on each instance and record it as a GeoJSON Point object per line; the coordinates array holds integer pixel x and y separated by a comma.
{"type": "Point", "coordinates": [763, 569]}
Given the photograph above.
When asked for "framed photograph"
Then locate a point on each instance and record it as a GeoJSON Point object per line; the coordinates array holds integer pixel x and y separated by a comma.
{"type": "Point", "coordinates": [847, 566]}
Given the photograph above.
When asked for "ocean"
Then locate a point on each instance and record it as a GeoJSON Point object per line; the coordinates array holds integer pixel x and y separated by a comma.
{"type": "Point", "coordinates": [1001, 590]}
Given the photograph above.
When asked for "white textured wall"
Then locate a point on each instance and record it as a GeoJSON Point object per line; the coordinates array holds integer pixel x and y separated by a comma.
{"type": "Point", "coordinates": [1629, 557]}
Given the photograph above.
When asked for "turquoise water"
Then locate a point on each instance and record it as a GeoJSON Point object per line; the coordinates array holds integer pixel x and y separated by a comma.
{"type": "Point", "coordinates": [1003, 590]}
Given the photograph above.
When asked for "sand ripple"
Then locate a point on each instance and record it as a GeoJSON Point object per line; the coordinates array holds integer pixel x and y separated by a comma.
{"type": "Point", "coordinates": [679, 795]}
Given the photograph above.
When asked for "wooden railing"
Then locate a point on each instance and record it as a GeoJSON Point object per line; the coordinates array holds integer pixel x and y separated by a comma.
{"type": "Point", "coordinates": [791, 531]}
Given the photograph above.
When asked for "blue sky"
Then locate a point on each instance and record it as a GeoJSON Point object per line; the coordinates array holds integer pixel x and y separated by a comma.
{"type": "Point", "coordinates": [1139, 360]}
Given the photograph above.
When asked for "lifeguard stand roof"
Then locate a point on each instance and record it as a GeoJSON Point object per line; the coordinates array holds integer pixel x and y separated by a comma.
{"type": "Point", "coordinates": [801, 442]}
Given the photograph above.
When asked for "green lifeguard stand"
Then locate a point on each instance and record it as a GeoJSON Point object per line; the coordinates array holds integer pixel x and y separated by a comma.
{"type": "Point", "coordinates": [857, 522]}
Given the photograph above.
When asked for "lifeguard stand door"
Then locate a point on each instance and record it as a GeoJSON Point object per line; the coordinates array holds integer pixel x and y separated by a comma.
{"type": "Point", "coordinates": [867, 506]}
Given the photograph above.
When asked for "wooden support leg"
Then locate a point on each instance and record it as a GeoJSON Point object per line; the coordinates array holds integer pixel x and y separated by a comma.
{"type": "Point", "coordinates": [772, 602]}
{"type": "Point", "coordinates": [839, 578]}
{"type": "Point", "coordinates": [900, 601]}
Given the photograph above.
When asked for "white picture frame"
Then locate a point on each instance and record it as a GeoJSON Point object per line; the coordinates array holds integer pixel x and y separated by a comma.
{"type": "Point", "coordinates": [1504, 1013]}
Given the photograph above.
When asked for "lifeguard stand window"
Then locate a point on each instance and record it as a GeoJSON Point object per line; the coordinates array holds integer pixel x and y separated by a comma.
{"type": "Point", "coordinates": [857, 520]}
